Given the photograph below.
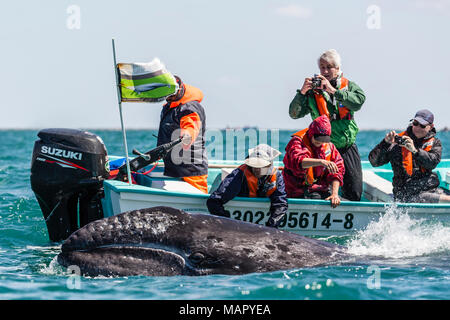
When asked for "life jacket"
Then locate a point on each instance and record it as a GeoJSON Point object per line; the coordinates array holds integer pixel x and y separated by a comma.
{"type": "Point", "coordinates": [190, 94]}
{"type": "Point", "coordinates": [309, 177]}
{"type": "Point", "coordinates": [194, 162]}
{"type": "Point", "coordinates": [407, 155]}
{"type": "Point", "coordinates": [344, 112]}
{"type": "Point", "coordinates": [252, 182]}
{"type": "Point", "coordinates": [199, 182]}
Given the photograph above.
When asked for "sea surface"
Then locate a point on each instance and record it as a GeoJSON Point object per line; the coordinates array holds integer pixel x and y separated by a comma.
{"type": "Point", "coordinates": [413, 256]}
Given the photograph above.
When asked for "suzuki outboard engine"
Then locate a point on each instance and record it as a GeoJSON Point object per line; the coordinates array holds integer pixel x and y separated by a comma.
{"type": "Point", "coordinates": [67, 172]}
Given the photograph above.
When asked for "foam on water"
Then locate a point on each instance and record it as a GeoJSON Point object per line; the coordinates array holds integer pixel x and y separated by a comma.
{"type": "Point", "coordinates": [397, 235]}
{"type": "Point", "coordinates": [53, 268]}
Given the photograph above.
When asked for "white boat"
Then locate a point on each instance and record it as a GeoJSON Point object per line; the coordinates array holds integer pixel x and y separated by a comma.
{"type": "Point", "coordinates": [306, 217]}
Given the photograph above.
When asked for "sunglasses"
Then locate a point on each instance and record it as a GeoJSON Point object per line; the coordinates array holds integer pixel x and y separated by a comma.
{"type": "Point", "coordinates": [416, 123]}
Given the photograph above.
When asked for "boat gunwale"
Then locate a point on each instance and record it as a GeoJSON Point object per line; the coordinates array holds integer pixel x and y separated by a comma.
{"type": "Point", "coordinates": [119, 187]}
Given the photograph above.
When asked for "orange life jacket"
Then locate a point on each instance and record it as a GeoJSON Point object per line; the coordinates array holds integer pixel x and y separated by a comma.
{"type": "Point", "coordinates": [190, 94]}
{"type": "Point", "coordinates": [407, 155]}
{"type": "Point", "coordinates": [309, 177]}
{"type": "Point", "coordinates": [199, 182]}
{"type": "Point", "coordinates": [252, 182]}
{"type": "Point", "coordinates": [344, 112]}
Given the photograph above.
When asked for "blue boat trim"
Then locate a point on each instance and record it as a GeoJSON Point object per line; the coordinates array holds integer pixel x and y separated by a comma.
{"type": "Point", "coordinates": [384, 171]}
{"type": "Point", "coordinates": [119, 187]}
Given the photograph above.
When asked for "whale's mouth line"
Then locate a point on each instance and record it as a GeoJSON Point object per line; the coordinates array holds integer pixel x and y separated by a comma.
{"type": "Point", "coordinates": [159, 249]}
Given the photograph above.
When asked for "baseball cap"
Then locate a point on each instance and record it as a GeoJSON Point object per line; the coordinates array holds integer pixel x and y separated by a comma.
{"type": "Point", "coordinates": [320, 129]}
{"type": "Point", "coordinates": [322, 138]}
{"type": "Point", "coordinates": [261, 156]}
{"type": "Point", "coordinates": [424, 117]}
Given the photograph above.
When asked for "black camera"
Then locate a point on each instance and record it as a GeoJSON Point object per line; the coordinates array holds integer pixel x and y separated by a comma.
{"type": "Point", "coordinates": [316, 82]}
{"type": "Point", "coordinates": [400, 140]}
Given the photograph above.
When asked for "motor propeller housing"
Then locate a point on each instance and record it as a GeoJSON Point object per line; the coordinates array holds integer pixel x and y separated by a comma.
{"type": "Point", "coordinates": [67, 171]}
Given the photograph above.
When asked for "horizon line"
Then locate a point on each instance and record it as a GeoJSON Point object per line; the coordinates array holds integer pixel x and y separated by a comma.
{"type": "Point", "coordinates": [445, 128]}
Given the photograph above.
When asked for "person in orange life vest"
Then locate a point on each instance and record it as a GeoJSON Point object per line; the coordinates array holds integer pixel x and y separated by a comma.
{"type": "Point", "coordinates": [255, 178]}
{"type": "Point", "coordinates": [339, 99]}
{"type": "Point", "coordinates": [312, 164]}
{"type": "Point", "coordinates": [183, 116]}
{"type": "Point", "coordinates": [413, 160]}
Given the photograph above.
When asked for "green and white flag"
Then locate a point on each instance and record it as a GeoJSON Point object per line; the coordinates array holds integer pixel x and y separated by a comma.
{"type": "Point", "coordinates": [146, 82]}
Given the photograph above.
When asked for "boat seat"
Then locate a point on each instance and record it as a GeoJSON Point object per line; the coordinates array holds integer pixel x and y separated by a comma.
{"type": "Point", "coordinates": [447, 180]}
{"type": "Point", "coordinates": [219, 178]}
{"type": "Point", "coordinates": [444, 177]}
{"type": "Point", "coordinates": [376, 188]}
{"type": "Point", "coordinates": [226, 171]}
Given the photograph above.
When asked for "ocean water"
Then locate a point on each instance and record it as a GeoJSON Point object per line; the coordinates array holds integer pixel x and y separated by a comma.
{"type": "Point", "coordinates": [411, 257]}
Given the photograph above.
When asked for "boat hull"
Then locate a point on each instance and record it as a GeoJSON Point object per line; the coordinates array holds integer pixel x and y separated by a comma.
{"type": "Point", "coordinates": [306, 217]}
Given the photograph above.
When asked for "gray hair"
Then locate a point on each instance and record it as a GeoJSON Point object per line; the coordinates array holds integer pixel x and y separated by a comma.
{"type": "Point", "coordinates": [332, 57]}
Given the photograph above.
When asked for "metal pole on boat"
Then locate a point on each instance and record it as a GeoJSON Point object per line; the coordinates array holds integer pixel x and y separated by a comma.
{"type": "Point", "coordinates": [119, 98]}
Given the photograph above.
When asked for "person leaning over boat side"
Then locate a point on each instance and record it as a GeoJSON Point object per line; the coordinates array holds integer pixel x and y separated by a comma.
{"type": "Point", "coordinates": [312, 164]}
{"type": "Point", "coordinates": [338, 98]}
{"type": "Point", "coordinates": [413, 160]}
{"type": "Point", "coordinates": [257, 177]}
{"type": "Point", "coordinates": [184, 116]}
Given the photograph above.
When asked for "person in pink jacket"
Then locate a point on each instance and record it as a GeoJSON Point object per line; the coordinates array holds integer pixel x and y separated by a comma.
{"type": "Point", "coordinates": [313, 167]}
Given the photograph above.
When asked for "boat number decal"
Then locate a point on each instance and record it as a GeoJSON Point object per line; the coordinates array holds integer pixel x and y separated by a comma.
{"type": "Point", "coordinates": [294, 220]}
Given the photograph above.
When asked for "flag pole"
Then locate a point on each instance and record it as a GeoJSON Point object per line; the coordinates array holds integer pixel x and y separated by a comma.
{"type": "Point", "coordinates": [119, 98]}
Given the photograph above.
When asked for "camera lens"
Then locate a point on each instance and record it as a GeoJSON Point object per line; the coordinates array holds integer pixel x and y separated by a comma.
{"type": "Point", "coordinates": [316, 82]}
{"type": "Point", "coordinates": [400, 140]}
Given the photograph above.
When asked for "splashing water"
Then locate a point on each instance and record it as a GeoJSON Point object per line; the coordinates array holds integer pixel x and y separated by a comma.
{"type": "Point", "coordinates": [397, 235]}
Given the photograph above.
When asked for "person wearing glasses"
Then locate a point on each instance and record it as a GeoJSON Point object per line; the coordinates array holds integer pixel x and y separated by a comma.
{"type": "Point", "coordinates": [413, 154]}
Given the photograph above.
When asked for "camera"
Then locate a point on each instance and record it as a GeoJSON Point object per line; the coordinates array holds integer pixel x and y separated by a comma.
{"type": "Point", "coordinates": [400, 140]}
{"type": "Point", "coordinates": [316, 82]}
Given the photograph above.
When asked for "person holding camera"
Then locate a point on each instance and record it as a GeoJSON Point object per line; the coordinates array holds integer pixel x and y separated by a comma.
{"type": "Point", "coordinates": [330, 94]}
{"type": "Point", "coordinates": [413, 154]}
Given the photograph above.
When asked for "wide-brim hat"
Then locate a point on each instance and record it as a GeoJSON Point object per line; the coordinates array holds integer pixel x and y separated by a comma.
{"type": "Point", "coordinates": [261, 156]}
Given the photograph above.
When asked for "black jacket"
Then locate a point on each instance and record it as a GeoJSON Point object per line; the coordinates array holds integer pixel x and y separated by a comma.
{"type": "Point", "coordinates": [180, 163]}
{"type": "Point", "coordinates": [406, 187]}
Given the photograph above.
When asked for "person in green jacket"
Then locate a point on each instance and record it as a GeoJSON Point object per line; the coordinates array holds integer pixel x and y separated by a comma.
{"type": "Point", "coordinates": [334, 95]}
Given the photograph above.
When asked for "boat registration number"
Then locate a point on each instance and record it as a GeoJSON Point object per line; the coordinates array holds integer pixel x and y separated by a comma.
{"type": "Point", "coordinates": [295, 220]}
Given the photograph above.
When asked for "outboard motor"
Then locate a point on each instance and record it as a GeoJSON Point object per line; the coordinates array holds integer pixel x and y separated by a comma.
{"type": "Point", "coordinates": [67, 172]}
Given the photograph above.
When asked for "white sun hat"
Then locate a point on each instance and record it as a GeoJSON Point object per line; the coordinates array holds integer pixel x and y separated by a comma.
{"type": "Point", "coordinates": [261, 156]}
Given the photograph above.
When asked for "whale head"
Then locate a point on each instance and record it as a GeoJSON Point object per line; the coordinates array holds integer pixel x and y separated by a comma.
{"type": "Point", "coordinates": [163, 241]}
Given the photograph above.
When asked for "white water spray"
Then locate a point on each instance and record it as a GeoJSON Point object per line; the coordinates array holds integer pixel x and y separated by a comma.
{"type": "Point", "coordinates": [397, 235]}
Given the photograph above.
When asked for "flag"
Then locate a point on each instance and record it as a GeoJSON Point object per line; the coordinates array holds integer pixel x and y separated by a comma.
{"type": "Point", "coordinates": [146, 82]}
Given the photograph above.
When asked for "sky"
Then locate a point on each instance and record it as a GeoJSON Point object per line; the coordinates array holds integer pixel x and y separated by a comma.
{"type": "Point", "coordinates": [248, 57]}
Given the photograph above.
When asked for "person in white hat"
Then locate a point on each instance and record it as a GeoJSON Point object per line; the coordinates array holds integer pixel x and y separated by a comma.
{"type": "Point", "coordinates": [257, 177]}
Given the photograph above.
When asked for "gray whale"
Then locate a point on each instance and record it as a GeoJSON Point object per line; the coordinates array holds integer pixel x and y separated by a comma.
{"type": "Point", "coordinates": [163, 241]}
